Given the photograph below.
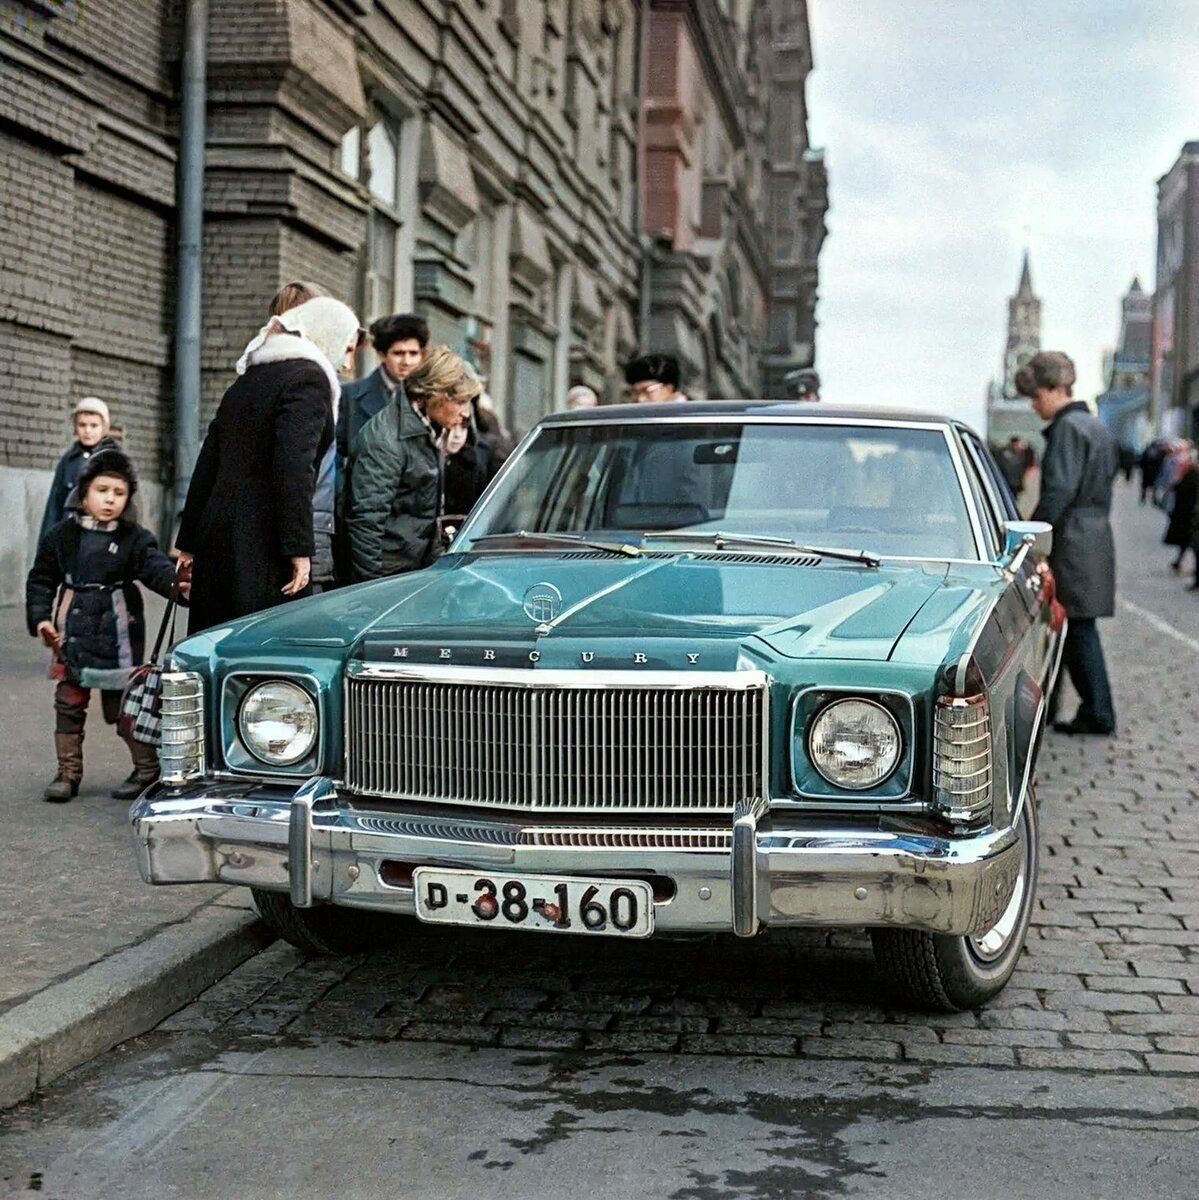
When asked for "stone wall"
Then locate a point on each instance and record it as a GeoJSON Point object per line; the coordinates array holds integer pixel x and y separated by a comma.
{"type": "Point", "coordinates": [86, 169]}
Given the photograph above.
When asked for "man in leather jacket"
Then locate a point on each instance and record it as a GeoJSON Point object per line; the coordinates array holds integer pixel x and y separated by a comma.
{"type": "Point", "coordinates": [1077, 470]}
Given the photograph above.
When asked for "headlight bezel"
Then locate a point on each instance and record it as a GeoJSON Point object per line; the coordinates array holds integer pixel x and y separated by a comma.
{"type": "Point", "coordinates": [239, 757]}
{"type": "Point", "coordinates": [895, 792]}
{"type": "Point", "coordinates": [829, 709]}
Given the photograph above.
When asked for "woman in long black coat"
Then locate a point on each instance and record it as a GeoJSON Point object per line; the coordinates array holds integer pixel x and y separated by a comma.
{"type": "Point", "coordinates": [246, 529]}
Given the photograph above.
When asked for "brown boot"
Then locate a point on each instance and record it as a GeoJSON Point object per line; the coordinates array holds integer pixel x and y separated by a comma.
{"type": "Point", "coordinates": [144, 773]}
{"type": "Point", "coordinates": [65, 786]}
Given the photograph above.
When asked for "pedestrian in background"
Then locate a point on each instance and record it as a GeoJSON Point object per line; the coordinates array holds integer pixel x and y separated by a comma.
{"type": "Point", "coordinates": [1181, 500]}
{"type": "Point", "coordinates": [92, 434]}
{"type": "Point", "coordinates": [246, 531]}
{"type": "Point", "coordinates": [1078, 470]}
{"type": "Point", "coordinates": [467, 469]}
{"type": "Point", "coordinates": [324, 496]}
{"type": "Point", "coordinates": [653, 378]}
{"type": "Point", "coordinates": [82, 600]}
{"type": "Point", "coordinates": [1016, 459]}
{"type": "Point", "coordinates": [497, 441]}
{"type": "Point", "coordinates": [1151, 462]}
{"type": "Point", "coordinates": [399, 341]}
{"type": "Point", "coordinates": [397, 468]}
{"type": "Point", "coordinates": [581, 396]}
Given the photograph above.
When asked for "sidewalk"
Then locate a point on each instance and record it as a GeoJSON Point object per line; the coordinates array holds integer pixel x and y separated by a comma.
{"type": "Point", "coordinates": [69, 886]}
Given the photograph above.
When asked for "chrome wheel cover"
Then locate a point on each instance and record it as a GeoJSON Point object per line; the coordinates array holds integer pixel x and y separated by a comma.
{"type": "Point", "coordinates": [991, 945]}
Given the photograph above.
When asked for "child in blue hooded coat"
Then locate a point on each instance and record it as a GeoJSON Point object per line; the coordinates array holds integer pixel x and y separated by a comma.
{"type": "Point", "coordinates": [82, 600]}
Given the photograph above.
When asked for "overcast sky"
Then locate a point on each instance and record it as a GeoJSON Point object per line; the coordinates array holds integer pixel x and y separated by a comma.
{"type": "Point", "coordinates": [955, 133]}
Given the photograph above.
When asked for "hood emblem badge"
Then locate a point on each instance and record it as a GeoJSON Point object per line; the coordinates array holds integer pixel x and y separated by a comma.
{"type": "Point", "coordinates": [543, 602]}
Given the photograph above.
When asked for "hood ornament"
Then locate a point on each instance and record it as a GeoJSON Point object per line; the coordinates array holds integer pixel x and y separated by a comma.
{"type": "Point", "coordinates": [543, 602]}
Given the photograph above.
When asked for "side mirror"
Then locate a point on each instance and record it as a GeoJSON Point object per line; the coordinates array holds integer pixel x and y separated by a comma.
{"type": "Point", "coordinates": [1016, 533]}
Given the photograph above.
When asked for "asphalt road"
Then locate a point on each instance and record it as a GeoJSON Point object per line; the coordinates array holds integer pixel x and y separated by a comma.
{"type": "Point", "coordinates": [467, 1064]}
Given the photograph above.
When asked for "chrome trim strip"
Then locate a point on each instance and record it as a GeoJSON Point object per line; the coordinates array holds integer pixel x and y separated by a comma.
{"type": "Point", "coordinates": [998, 513]}
{"type": "Point", "coordinates": [537, 677]}
{"type": "Point", "coordinates": [701, 418]}
{"type": "Point", "coordinates": [1039, 720]}
{"type": "Point", "coordinates": [955, 453]}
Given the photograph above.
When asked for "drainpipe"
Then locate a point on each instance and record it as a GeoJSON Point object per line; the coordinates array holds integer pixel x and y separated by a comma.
{"type": "Point", "coordinates": [189, 197]}
{"type": "Point", "coordinates": [645, 299]}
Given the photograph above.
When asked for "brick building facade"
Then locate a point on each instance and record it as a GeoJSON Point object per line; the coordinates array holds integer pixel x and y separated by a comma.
{"type": "Point", "coordinates": [1175, 359]}
{"type": "Point", "coordinates": [553, 183]}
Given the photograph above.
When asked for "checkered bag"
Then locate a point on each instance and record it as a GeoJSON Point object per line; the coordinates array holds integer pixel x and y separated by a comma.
{"type": "Point", "coordinates": [141, 702]}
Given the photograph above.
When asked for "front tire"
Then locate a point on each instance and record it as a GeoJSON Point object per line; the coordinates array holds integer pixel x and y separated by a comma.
{"type": "Point", "coordinates": [324, 928]}
{"type": "Point", "coordinates": [950, 973]}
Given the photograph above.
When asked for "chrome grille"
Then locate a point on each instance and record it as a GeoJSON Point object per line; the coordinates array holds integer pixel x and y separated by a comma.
{"type": "Point", "coordinates": [583, 747]}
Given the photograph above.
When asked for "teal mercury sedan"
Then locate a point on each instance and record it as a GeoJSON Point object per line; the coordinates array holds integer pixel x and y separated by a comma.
{"type": "Point", "coordinates": [698, 667]}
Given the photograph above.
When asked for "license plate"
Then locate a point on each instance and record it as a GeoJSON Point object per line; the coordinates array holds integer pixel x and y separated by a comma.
{"type": "Point", "coordinates": [544, 903]}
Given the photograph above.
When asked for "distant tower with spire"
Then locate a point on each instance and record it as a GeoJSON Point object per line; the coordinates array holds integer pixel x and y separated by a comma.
{"type": "Point", "coordinates": [1124, 405]}
{"type": "Point", "coordinates": [1023, 330]}
{"type": "Point", "coordinates": [1008, 413]}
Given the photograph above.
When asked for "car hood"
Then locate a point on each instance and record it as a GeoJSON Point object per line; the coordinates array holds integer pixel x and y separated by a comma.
{"type": "Point", "coordinates": [830, 610]}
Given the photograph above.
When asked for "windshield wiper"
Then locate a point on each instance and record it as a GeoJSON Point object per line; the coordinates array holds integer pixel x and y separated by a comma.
{"type": "Point", "coordinates": [564, 539]}
{"type": "Point", "coordinates": [859, 556]}
{"type": "Point", "coordinates": [720, 540]}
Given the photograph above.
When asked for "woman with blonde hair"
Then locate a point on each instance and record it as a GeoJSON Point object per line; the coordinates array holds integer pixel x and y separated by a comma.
{"type": "Point", "coordinates": [247, 522]}
{"type": "Point", "coordinates": [398, 466]}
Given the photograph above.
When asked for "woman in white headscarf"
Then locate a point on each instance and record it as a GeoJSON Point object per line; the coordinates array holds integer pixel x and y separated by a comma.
{"type": "Point", "coordinates": [246, 529]}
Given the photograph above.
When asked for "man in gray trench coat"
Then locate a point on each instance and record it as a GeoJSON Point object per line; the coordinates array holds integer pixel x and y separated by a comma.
{"type": "Point", "coordinates": [1077, 470]}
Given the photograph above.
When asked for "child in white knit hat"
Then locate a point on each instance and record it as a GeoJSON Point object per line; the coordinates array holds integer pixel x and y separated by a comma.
{"type": "Point", "coordinates": [92, 434]}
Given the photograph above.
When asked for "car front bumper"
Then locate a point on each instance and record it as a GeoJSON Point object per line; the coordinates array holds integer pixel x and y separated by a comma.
{"type": "Point", "coordinates": [750, 873]}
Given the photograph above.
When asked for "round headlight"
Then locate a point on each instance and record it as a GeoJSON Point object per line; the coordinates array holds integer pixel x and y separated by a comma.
{"type": "Point", "coordinates": [854, 743]}
{"type": "Point", "coordinates": [278, 723]}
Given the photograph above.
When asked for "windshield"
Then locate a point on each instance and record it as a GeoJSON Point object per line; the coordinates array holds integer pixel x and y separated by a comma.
{"type": "Point", "coordinates": [885, 489]}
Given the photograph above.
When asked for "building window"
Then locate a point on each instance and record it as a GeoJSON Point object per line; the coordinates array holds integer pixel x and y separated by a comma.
{"type": "Point", "coordinates": [379, 169]}
{"type": "Point", "coordinates": [383, 158]}
{"type": "Point", "coordinates": [381, 274]}
{"type": "Point", "coordinates": [350, 157]}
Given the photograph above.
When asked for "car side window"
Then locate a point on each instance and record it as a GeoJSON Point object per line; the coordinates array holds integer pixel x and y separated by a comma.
{"type": "Point", "coordinates": [988, 509]}
{"type": "Point", "coordinates": [999, 486]}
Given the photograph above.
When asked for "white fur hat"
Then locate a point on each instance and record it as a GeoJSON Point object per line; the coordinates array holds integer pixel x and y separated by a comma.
{"type": "Point", "coordinates": [93, 404]}
{"type": "Point", "coordinates": [327, 329]}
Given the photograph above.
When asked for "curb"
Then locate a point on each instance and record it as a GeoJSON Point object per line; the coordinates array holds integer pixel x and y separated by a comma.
{"type": "Point", "coordinates": [131, 991]}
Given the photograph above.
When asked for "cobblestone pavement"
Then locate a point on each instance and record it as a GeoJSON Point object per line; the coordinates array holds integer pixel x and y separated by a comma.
{"type": "Point", "coordinates": [1110, 980]}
